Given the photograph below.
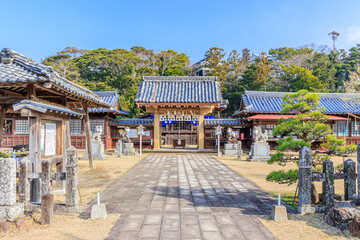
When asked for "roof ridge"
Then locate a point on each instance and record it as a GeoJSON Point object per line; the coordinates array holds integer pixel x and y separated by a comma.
{"type": "Point", "coordinates": [180, 78]}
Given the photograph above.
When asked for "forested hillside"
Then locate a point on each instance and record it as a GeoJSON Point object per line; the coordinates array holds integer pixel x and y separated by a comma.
{"type": "Point", "coordinates": [317, 69]}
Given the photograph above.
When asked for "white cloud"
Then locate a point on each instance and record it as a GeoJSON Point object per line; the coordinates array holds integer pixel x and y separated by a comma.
{"type": "Point", "coordinates": [350, 38]}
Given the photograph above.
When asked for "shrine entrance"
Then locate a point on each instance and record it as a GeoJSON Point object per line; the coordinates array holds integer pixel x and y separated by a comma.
{"type": "Point", "coordinates": [174, 130]}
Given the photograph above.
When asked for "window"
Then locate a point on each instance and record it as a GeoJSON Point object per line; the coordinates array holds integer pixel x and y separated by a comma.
{"type": "Point", "coordinates": [355, 128]}
{"type": "Point", "coordinates": [340, 128]}
{"type": "Point", "coordinates": [21, 127]}
{"type": "Point", "coordinates": [75, 127]}
{"type": "Point", "coordinates": [8, 127]}
{"type": "Point", "coordinates": [95, 123]}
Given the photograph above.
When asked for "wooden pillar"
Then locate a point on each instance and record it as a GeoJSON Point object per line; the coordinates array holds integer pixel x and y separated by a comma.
{"type": "Point", "coordinates": [2, 122]}
{"type": "Point", "coordinates": [201, 130]}
{"type": "Point", "coordinates": [35, 155]}
{"type": "Point", "coordinates": [157, 129]}
{"type": "Point", "coordinates": [60, 167]}
{"type": "Point", "coordinates": [88, 136]}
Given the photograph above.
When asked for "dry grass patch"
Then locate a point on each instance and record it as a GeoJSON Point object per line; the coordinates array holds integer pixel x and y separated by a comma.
{"type": "Point", "coordinates": [297, 227]}
{"type": "Point", "coordinates": [91, 181]}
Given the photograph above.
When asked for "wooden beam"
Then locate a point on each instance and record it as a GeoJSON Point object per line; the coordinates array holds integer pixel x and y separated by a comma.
{"type": "Point", "coordinates": [2, 122]}
{"type": "Point", "coordinates": [88, 136]}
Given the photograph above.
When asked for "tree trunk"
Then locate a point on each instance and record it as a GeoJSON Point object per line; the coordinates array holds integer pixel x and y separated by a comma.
{"type": "Point", "coordinates": [314, 194]}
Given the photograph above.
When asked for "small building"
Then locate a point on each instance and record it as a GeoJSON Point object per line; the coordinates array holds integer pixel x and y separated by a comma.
{"type": "Point", "coordinates": [98, 117]}
{"type": "Point", "coordinates": [263, 109]}
{"type": "Point", "coordinates": [179, 106]}
{"type": "Point", "coordinates": [41, 104]}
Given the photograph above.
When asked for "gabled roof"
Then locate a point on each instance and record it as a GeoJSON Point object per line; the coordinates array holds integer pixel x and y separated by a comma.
{"type": "Point", "coordinates": [225, 122]}
{"type": "Point", "coordinates": [43, 108]}
{"type": "Point", "coordinates": [16, 68]}
{"type": "Point", "coordinates": [270, 102]}
{"type": "Point", "coordinates": [131, 122]}
{"type": "Point", "coordinates": [192, 89]}
{"type": "Point", "coordinates": [111, 98]}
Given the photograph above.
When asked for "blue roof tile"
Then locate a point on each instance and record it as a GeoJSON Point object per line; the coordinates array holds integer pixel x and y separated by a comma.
{"type": "Point", "coordinates": [270, 102]}
{"type": "Point", "coordinates": [111, 98]}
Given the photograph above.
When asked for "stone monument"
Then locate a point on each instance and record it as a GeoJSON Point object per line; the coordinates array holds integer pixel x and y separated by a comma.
{"type": "Point", "coordinates": [9, 208]}
{"type": "Point", "coordinates": [260, 149]}
{"type": "Point", "coordinates": [97, 146]}
{"type": "Point", "coordinates": [118, 149]}
{"type": "Point", "coordinates": [127, 146]}
{"type": "Point", "coordinates": [232, 146]}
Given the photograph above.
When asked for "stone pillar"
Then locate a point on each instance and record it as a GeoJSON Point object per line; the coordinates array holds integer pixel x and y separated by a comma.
{"type": "Point", "coordinates": [201, 130]}
{"type": "Point", "coordinates": [350, 180]}
{"type": "Point", "coordinates": [157, 135]}
{"type": "Point", "coordinates": [46, 177]}
{"type": "Point", "coordinates": [305, 179]}
{"type": "Point", "coordinates": [240, 151]}
{"type": "Point", "coordinates": [72, 204]}
{"type": "Point", "coordinates": [24, 183]}
{"type": "Point", "coordinates": [47, 209]}
{"type": "Point", "coordinates": [328, 184]}
{"type": "Point", "coordinates": [9, 208]}
{"type": "Point", "coordinates": [118, 149]}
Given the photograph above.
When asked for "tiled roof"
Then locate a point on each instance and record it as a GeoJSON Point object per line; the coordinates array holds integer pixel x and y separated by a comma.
{"type": "Point", "coordinates": [191, 89]}
{"type": "Point", "coordinates": [225, 122]}
{"type": "Point", "coordinates": [270, 102]}
{"type": "Point", "coordinates": [43, 107]}
{"type": "Point", "coordinates": [111, 98]}
{"type": "Point", "coordinates": [16, 68]}
{"type": "Point", "coordinates": [131, 122]}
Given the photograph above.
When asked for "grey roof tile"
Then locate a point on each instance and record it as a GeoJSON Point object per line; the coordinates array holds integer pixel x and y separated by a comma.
{"type": "Point", "coordinates": [38, 105]}
{"type": "Point", "coordinates": [15, 67]}
{"type": "Point", "coordinates": [191, 89]}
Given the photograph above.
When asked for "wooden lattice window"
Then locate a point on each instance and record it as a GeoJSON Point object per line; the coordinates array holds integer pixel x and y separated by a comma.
{"type": "Point", "coordinates": [95, 123]}
{"type": "Point", "coordinates": [75, 127]}
{"type": "Point", "coordinates": [22, 127]}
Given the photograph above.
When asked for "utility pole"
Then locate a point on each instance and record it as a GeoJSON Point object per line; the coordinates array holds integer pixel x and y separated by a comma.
{"type": "Point", "coordinates": [334, 35]}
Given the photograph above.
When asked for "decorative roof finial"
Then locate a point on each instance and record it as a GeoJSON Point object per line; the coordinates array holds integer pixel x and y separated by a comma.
{"type": "Point", "coordinates": [6, 56]}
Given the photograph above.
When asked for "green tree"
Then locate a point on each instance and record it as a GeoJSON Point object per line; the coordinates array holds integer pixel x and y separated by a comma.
{"type": "Point", "coordinates": [301, 78]}
{"type": "Point", "coordinates": [306, 127]}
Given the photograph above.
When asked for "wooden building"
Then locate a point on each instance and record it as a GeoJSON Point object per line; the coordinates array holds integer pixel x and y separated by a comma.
{"type": "Point", "coordinates": [47, 101]}
{"type": "Point", "coordinates": [179, 106]}
{"type": "Point", "coordinates": [98, 117]}
{"type": "Point", "coordinates": [263, 109]}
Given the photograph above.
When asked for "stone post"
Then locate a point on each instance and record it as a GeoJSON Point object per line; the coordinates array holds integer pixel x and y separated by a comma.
{"type": "Point", "coordinates": [328, 184]}
{"type": "Point", "coordinates": [240, 151]}
{"type": "Point", "coordinates": [72, 204]}
{"type": "Point", "coordinates": [9, 208]}
{"type": "Point", "coordinates": [46, 177]}
{"type": "Point", "coordinates": [358, 170]}
{"type": "Point", "coordinates": [47, 209]}
{"type": "Point", "coordinates": [24, 182]}
{"type": "Point", "coordinates": [120, 148]}
{"type": "Point", "coordinates": [350, 180]}
{"type": "Point", "coordinates": [305, 179]}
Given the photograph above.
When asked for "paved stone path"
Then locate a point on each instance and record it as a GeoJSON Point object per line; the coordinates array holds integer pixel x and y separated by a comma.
{"type": "Point", "coordinates": [186, 196]}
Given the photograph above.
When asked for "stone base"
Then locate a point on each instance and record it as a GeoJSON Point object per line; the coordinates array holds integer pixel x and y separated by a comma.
{"type": "Point", "coordinates": [260, 152]}
{"type": "Point", "coordinates": [279, 213]}
{"type": "Point", "coordinates": [98, 211]}
{"type": "Point", "coordinates": [64, 208]}
{"type": "Point", "coordinates": [258, 159]}
{"type": "Point", "coordinates": [128, 149]}
{"type": "Point", "coordinates": [231, 149]}
{"type": "Point", "coordinates": [11, 212]}
{"type": "Point", "coordinates": [306, 209]}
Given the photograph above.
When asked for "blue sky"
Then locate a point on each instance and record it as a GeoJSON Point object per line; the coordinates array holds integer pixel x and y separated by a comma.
{"type": "Point", "coordinates": [39, 29]}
